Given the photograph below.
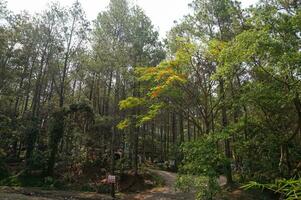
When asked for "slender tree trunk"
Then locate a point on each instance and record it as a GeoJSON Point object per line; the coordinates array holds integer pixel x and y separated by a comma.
{"type": "Point", "coordinates": [112, 168]}
{"type": "Point", "coordinates": [144, 131]}
{"type": "Point", "coordinates": [56, 135]}
{"type": "Point", "coordinates": [167, 134]}
{"type": "Point", "coordinates": [153, 128]}
{"type": "Point", "coordinates": [188, 129]}
{"type": "Point", "coordinates": [107, 106]}
{"type": "Point", "coordinates": [92, 89]}
{"type": "Point", "coordinates": [174, 130]}
{"type": "Point", "coordinates": [194, 132]}
{"type": "Point", "coordinates": [165, 146]}
{"type": "Point", "coordinates": [161, 143]}
{"type": "Point", "coordinates": [136, 143]}
{"type": "Point", "coordinates": [33, 131]}
{"type": "Point", "coordinates": [181, 121]}
{"type": "Point", "coordinates": [227, 141]}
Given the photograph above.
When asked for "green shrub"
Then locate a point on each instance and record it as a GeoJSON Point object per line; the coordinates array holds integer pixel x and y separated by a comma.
{"type": "Point", "coordinates": [202, 165]}
{"type": "Point", "coordinates": [206, 187]}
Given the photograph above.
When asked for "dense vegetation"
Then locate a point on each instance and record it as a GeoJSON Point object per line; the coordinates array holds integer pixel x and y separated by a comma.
{"type": "Point", "coordinates": [220, 95]}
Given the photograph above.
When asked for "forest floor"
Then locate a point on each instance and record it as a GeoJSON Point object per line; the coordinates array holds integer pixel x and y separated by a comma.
{"type": "Point", "coordinates": [165, 192]}
{"type": "Point", "coordinates": [20, 193]}
{"type": "Point", "coordinates": [168, 192]}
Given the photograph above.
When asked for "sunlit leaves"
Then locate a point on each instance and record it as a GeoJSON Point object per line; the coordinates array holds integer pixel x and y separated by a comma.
{"type": "Point", "coordinates": [165, 79]}
{"type": "Point", "coordinates": [169, 74]}
{"type": "Point", "coordinates": [184, 53]}
{"type": "Point", "coordinates": [124, 124]}
{"type": "Point", "coordinates": [131, 102]}
{"type": "Point", "coordinates": [153, 111]}
{"type": "Point", "coordinates": [215, 47]}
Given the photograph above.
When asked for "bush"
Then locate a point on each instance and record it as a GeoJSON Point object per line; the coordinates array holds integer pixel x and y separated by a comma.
{"type": "Point", "coordinates": [202, 165]}
{"type": "Point", "coordinates": [205, 187]}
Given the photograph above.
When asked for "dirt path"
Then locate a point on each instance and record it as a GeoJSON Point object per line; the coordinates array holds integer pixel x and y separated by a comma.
{"type": "Point", "coordinates": [163, 193]}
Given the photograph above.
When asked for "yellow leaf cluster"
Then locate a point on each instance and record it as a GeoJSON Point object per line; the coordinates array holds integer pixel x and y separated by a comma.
{"type": "Point", "coordinates": [124, 124]}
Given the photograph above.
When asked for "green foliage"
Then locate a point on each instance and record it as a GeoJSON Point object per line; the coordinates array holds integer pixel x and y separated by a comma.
{"type": "Point", "coordinates": [124, 124]}
{"type": "Point", "coordinates": [262, 142]}
{"type": "Point", "coordinates": [206, 187]}
{"type": "Point", "coordinates": [82, 107]}
{"type": "Point", "coordinates": [202, 165]}
{"type": "Point", "coordinates": [131, 102]}
{"type": "Point", "coordinates": [231, 74]}
{"type": "Point", "coordinates": [162, 80]}
{"type": "Point", "coordinates": [153, 111]}
{"type": "Point", "coordinates": [201, 157]}
{"type": "Point", "coordinates": [183, 55]}
{"type": "Point", "coordinates": [290, 189]}
{"type": "Point", "coordinates": [56, 127]}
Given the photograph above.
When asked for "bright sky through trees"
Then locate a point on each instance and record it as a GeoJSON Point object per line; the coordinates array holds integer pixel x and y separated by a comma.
{"type": "Point", "coordinates": [163, 13]}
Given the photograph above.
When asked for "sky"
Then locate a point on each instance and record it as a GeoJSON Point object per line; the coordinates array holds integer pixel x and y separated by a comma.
{"type": "Point", "coordinates": [163, 13]}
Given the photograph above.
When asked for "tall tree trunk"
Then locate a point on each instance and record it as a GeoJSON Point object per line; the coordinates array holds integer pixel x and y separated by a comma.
{"type": "Point", "coordinates": [174, 131]}
{"type": "Point", "coordinates": [33, 131]}
{"type": "Point", "coordinates": [181, 121]}
{"type": "Point", "coordinates": [136, 143]}
{"type": "Point", "coordinates": [161, 142]}
{"type": "Point", "coordinates": [153, 128]}
{"type": "Point", "coordinates": [188, 129]}
{"type": "Point", "coordinates": [58, 134]}
{"type": "Point", "coordinates": [112, 168]}
{"type": "Point", "coordinates": [167, 135]}
{"type": "Point", "coordinates": [194, 132]}
{"type": "Point", "coordinates": [227, 141]}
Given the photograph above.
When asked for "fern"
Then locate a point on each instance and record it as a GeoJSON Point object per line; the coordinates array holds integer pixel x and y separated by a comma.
{"type": "Point", "coordinates": [290, 189]}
